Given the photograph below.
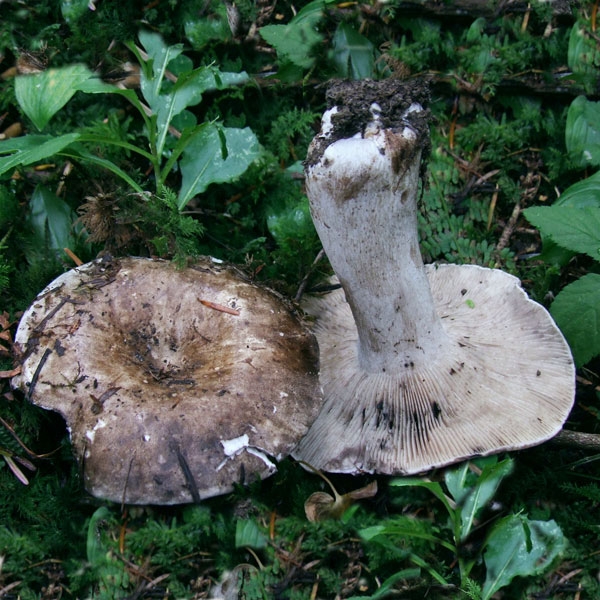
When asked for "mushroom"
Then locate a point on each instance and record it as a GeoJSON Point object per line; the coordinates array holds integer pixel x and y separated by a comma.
{"type": "Point", "coordinates": [175, 384]}
{"type": "Point", "coordinates": [421, 366]}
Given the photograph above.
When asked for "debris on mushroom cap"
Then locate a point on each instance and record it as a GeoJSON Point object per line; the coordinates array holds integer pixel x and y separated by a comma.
{"type": "Point", "coordinates": [175, 384]}
{"type": "Point", "coordinates": [420, 366]}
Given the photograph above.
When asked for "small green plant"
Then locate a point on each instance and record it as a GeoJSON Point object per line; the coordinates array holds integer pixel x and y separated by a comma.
{"type": "Point", "coordinates": [572, 224]}
{"type": "Point", "coordinates": [513, 546]}
{"type": "Point", "coordinates": [203, 153]}
{"type": "Point", "coordinates": [298, 42]}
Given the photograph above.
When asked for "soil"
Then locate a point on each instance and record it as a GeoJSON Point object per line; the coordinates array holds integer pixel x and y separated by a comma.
{"type": "Point", "coordinates": [354, 100]}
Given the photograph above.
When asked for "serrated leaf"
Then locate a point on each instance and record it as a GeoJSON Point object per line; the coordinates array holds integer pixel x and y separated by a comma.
{"type": "Point", "coordinates": [576, 310]}
{"type": "Point", "coordinates": [43, 94]}
{"type": "Point", "coordinates": [582, 133]}
{"type": "Point", "coordinates": [51, 218]}
{"type": "Point", "coordinates": [576, 229]}
{"type": "Point", "coordinates": [353, 53]}
{"type": "Point", "coordinates": [202, 161]}
{"type": "Point", "coordinates": [516, 547]}
{"type": "Point", "coordinates": [201, 31]}
{"type": "Point", "coordinates": [294, 41]}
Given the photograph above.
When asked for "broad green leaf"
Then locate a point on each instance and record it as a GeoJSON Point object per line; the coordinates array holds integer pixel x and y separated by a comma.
{"type": "Point", "coordinates": [576, 229]}
{"type": "Point", "coordinates": [583, 55]}
{"type": "Point", "coordinates": [30, 149]}
{"type": "Point", "coordinates": [203, 163]}
{"type": "Point", "coordinates": [471, 496]}
{"type": "Point", "coordinates": [312, 10]}
{"type": "Point", "coordinates": [43, 94]}
{"type": "Point", "coordinates": [51, 218]}
{"type": "Point", "coordinates": [294, 42]}
{"type": "Point", "coordinates": [582, 133]}
{"type": "Point", "coordinates": [576, 310]}
{"type": "Point", "coordinates": [249, 535]}
{"type": "Point", "coordinates": [353, 53]}
{"type": "Point", "coordinates": [187, 91]}
{"type": "Point", "coordinates": [202, 31]}
{"type": "Point", "coordinates": [159, 57]}
{"type": "Point", "coordinates": [516, 547]}
{"type": "Point", "coordinates": [582, 194]}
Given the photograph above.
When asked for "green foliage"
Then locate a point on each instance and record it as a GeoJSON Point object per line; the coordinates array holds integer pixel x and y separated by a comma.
{"type": "Point", "coordinates": [295, 41]}
{"type": "Point", "coordinates": [583, 56]}
{"type": "Point", "coordinates": [514, 546]}
{"type": "Point", "coordinates": [582, 133]}
{"type": "Point", "coordinates": [43, 95]}
{"type": "Point", "coordinates": [209, 153]}
{"type": "Point", "coordinates": [573, 224]}
{"type": "Point", "coordinates": [495, 123]}
{"type": "Point", "coordinates": [353, 53]}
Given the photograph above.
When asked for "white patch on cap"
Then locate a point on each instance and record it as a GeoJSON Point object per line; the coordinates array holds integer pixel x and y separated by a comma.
{"type": "Point", "coordinates": [235, 445]}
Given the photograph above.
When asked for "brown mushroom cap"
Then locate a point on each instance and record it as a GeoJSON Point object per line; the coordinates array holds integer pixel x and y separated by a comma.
{"type": "Point", "coordinates": [175, 384]}
{"type": "Point", "coordinates": [505, 381]}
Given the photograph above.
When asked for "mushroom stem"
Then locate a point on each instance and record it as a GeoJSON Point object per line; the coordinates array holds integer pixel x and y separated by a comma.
{"type": "Point", "coordinates": [423, 365]}
{"type": "Point", "coordinates": [363, 196]}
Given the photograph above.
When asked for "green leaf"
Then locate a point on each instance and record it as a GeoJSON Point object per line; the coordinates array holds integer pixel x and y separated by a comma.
{"type": "Point", "coordinates": [202, 161]}
{"type": "Point", "coordinates": [73, 10]}
{"type": "Point", "coordinates": [81, 154]}
{"type": "Point", "coordinates": [153, 70]}
{"type": "Point", "coordinates": [583, 55]}
{"type": "Point", "coordinates": [30, 149]}
{"type": "Point", "coordinates": [582, 134]}
{"type": "Point", "coordinates": [471, 496]}
{"type": "Point", "coordinates": [96, 551]}
{"type": "Point", "coordinates": [51, 218]}
{"type": "Point", "coordinates": [294, 42]}
{"type": "Point", "coordinates": [516, 547]}
{"type": "Point", "coordinates": [202, 31]}
{"type": "Point", "coordinates": [385, 588]}
{"type": "Point", "coordinates": [576, 229]}
{"type": "Point", "coordinates": [576, 310]}
{"type": "Point", "coordinates": [403, 529]}
{"type": "Point", "coordinates": [582, 194]}
{"type": "Point", "coordinates": [186, 92]}
{"type": "Point", "coordinates": [433, 486]}
{"type": "Point", "coordinates": [249, 535]}
{"type": "Point", "coordinates": [43, 94]}
{"type": "Point", "coordinates": [353, 53]}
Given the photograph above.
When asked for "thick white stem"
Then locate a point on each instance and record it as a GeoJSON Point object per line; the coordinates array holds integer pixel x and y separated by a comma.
{"type": "Point", "coordinates": [363, 196]}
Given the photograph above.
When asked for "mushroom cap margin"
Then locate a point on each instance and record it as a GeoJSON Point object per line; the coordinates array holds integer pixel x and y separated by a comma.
{"type": "Point", "coordinates": [506, 381]}
{"type": "Point", "coordinates": [169, 399]}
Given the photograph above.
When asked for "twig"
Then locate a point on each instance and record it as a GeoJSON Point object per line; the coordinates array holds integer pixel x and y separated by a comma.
{"type": "Point", "coordinates": [578, 439]}
{"type": "Point", "coordinates": [189, 476]}
{"type": "Point", "coordinates": [36, 375]}
{"type": "Point", "coordinates": [219, 307]}
{"type": "Point", "coordinates": [7, 588]}
{"type": "Point", "coordinates": [508, 229]}
{"type": "Point", "coordinates": [310, 271]}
